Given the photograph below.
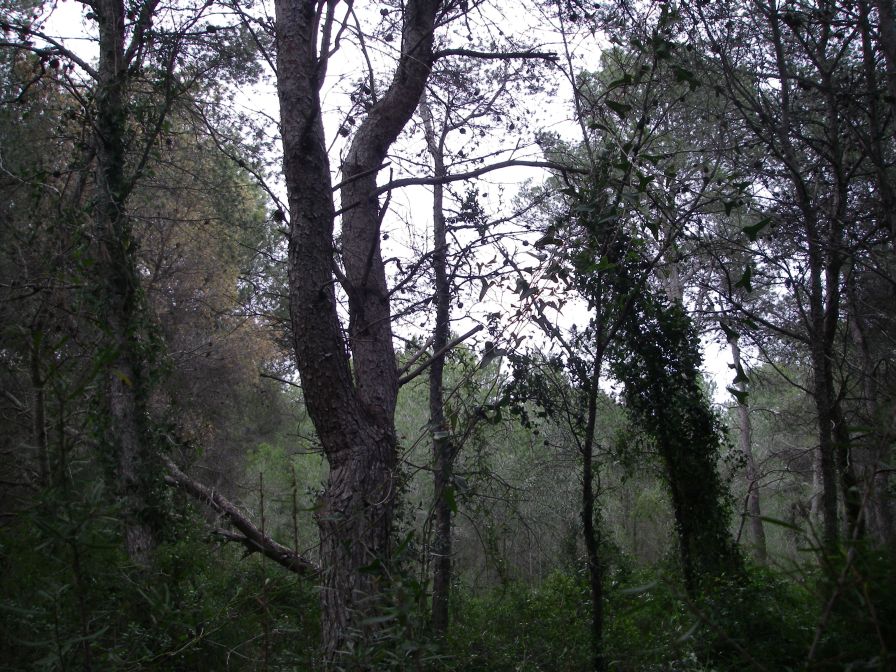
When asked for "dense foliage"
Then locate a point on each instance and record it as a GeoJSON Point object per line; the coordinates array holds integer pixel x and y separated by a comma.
{"type": "Point", "coordinates": [635, 414]}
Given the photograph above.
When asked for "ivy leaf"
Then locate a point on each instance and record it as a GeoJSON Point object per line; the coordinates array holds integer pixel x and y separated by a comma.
{"type": "Point", "coordinates": [745, 280]}
{"type": "Point", "coordinates": [740, 395]}
{"type": "Point", "coordinates": [547, 240]}
{"type": "Point", "coordinates": [643, 181]}
{"type": "Point", "coordinates": [604, 265]}
{"type": "Point", "coordinates": [485, 285]}
{"type": "Point", "coordinates": [450, 500]}
{"type": "Point", "coordinates": [753, 230]}
{"type": "Point", "coordinates": [622, 109]}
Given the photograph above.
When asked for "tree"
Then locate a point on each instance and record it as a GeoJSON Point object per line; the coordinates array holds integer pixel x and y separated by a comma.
{"type": "Point", "coordinates": [817, 177]}
{"type": "Point", "coordinates": [351, 402]}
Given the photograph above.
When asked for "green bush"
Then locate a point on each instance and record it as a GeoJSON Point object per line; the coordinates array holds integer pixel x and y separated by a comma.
{"type": "Point", "coordinates": [72, 601]}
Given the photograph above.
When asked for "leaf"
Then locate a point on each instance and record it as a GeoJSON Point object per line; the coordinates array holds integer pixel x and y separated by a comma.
{"type": "Point", "coordinates": [604, 265]}
{"type": "Point", "coordinates": [371, 568]}
{"type": "Point", "coordinates": [485, 285]}
{"type": "Point", "coordinates": [622, 109]}
{"type": "Point", "coordinates": [740, 395]}
{"type": "Point", "coordinates": [123, 377]}
{"type": "Point", "coordinates": [548, 240]}
{"type": "Point", "coordinates": [625, 80]}
{"type": "Point", "coordinates": [682, 74]}
{"type": "Point", "coordinates": [741, 376]}
{"type": "Point", "coordinates": [596, 125]}
{"type": "Point", "coordinates": [448, 494]}
{"type": "Point", "coordinates": [404, 543]}
{"type": "Point", "coordinates": [745, 279]}
{"type": "Point", "coordinates": [753, 230]}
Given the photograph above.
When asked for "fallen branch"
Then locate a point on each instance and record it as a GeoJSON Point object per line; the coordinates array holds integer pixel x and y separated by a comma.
{"type": "Point", "coordinates": [252, 538]}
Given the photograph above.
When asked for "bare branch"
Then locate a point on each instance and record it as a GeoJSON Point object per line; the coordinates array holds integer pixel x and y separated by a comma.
{"type": "Point", "coordinates": [496, 55]}
{"type": "Point", "coordinates": [253, 538]}
{"type": "Point", "coordinates": [470, 174]}
{"type": "Point", "coordinates": [425, 365]}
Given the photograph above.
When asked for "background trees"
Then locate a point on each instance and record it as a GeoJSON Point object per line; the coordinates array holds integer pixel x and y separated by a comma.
{"type": "Point", "coordinates": [726, 174]}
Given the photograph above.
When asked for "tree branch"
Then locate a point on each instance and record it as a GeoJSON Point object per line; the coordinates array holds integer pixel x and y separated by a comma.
{"type": "Point", "coordinates": [425, 365]}
{"type": "Point", "coordinates": [495, 55]}
{"type": "Point", "coordinates": [470, 174]}
{"type": "Point", "coordinates": [252, 537]}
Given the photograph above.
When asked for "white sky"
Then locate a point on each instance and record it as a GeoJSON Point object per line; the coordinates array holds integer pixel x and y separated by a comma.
{"type": "Point", "coordinates": [552, 113]}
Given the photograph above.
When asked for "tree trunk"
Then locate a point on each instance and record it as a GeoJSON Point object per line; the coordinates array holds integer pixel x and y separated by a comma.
{"type": "Point", "coordinates": [590, 531]}
{"type": "Point", "coordinates": [876, 139]}
{"type": "Point", "coordinates": [352, 406]}
{"type": "Point", "coordinates": [39, 408]}
{"type": "Point", "coordinates": [875, 476]}
{"type": "Point", "coordinates": [887, 36]}
{"type": "Point", "coordinates": [822, 393]}
{"type": "Point", "coordinates": [757, 531]}
{"type": "Point", "coordinates": [119, 289]}
{"type": "Point", "coordinates": [441, 444]}
{"type": "Point", "coordinates": [849, 484]}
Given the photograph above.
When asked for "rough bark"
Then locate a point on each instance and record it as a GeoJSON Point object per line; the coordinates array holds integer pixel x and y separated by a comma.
{"type": "Point", "coordinates": [590, 531]}
{"type": "Point", "coordinates": [745, 425]}
{"type": "Point", "coordinates": [119, 286]}
{"type": "Point", "coordinates": [352, 407]}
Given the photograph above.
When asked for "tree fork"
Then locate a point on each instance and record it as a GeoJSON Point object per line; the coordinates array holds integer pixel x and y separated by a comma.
{"type": "Point", "coordinates": [352, 407]}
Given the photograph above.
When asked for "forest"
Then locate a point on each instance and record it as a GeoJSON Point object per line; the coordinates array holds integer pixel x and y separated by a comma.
{"type": "Point", "coordinates": [447, 335]}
